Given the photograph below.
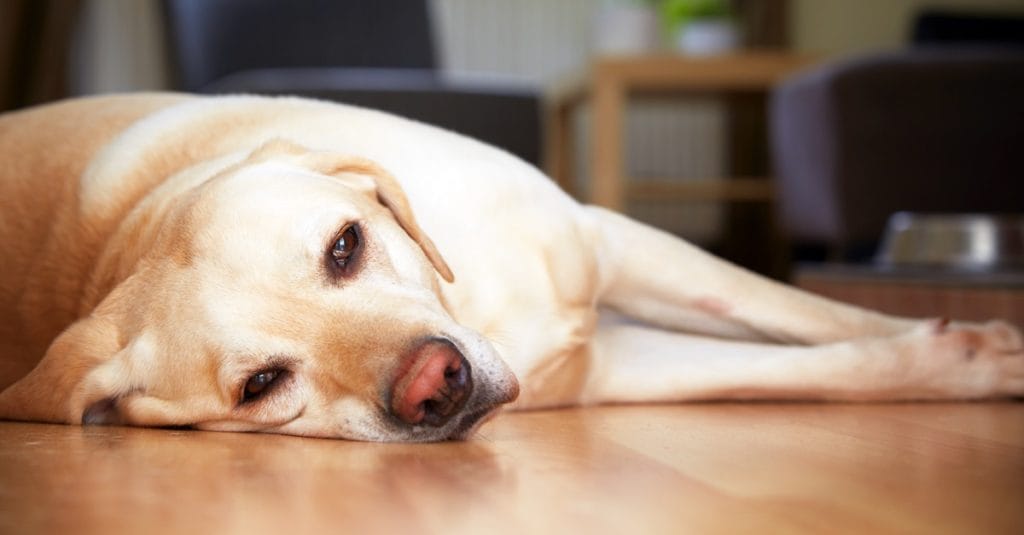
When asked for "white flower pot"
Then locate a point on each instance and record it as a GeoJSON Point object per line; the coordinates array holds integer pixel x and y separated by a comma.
{"type": "Point", "coordinates": [625, 29]}
{"type": "Point", "coordinates": [707, 37]}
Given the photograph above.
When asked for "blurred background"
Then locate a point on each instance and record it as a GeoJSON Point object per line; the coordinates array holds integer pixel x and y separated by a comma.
{"type": "Point", "coordinates": [774, 132]}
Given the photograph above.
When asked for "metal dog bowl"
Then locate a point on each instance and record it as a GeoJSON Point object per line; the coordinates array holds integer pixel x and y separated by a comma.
{"type": "Point", "coordinates": [976, 242]}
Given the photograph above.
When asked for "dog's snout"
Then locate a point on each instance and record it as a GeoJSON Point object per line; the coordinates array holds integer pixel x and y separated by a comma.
{"type": "Point", "coordinates": [432, 384]}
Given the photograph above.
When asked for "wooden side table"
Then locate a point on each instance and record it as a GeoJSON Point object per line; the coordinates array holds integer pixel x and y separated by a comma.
{"type": "Point", "coordinates": [611, 82]}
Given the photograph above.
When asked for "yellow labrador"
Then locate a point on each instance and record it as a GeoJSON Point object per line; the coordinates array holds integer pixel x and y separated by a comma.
{"type": "Point", "coordinates": [292, 266]}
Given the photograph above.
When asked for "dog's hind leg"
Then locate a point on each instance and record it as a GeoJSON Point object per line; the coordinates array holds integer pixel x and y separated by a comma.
{"type": "Point", "coordinates": [658, 278]}
{"type": "Point", "coordinates": [638, 363]}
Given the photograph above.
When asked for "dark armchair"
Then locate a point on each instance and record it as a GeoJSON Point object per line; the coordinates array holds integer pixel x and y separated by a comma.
{"type": "Point", "coordinates": [374, 53]}
{"type": "Point", "coordinates": [928, 129]}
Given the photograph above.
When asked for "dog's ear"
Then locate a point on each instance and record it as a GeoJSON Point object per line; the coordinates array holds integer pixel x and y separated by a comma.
{"type": "Point", "coordinates": [389, 193]}
{"type": "Point", "coordinates": [380, 183]}
{"type": "Point", "coordinates": [67, 385]}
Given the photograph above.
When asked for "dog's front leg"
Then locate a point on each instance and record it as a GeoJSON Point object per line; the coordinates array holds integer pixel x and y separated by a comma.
{"type": "Point", "coordinates": [660, 279]}
{"type": "Point", "coordinates": [634, 363]}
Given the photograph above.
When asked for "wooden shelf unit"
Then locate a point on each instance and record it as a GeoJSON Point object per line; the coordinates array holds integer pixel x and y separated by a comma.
{"type": "Point", "coordinates": [610, 84]}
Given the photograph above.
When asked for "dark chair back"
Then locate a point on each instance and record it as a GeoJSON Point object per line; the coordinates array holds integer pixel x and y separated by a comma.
{"type": "Point", "coordinates": [926, 130]}
{"type": "Point", "coordinates": [213, 38]}
{"type": "Point", "coordinates": [942, 27]}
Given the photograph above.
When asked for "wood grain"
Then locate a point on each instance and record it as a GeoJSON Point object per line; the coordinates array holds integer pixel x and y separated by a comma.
{"type": "Point", "coordinates": [702, 468]}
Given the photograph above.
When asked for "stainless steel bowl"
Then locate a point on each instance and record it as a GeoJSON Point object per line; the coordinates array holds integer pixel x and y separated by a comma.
{"type": "Point", "coordinates": [954, 241]}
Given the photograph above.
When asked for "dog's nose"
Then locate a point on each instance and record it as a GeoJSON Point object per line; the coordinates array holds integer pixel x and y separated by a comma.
{"type": "Point", "coordinates": [433, 383]}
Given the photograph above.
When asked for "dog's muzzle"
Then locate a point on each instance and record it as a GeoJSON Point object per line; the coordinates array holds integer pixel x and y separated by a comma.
{"type": "Point", "coordinates": [432, 384]}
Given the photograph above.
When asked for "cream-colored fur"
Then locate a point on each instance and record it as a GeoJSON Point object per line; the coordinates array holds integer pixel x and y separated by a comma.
{"type": "Point", "coordinates": [161, 249]}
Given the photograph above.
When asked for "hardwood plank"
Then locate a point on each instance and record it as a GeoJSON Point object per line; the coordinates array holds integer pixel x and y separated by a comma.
{"type": "Point", "coordinates": [706, 468]}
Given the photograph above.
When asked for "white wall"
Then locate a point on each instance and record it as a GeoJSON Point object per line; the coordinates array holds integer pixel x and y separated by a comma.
{"type": "Point", "coordinates": [119, 46]}
{"type": "Point", "coordinates": [530, 40]}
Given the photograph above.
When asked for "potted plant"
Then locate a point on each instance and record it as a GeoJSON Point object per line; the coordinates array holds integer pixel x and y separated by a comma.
{"type": "Point", "coordinates": [700, 26]}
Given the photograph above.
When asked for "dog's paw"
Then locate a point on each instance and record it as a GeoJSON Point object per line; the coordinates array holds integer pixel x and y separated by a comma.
{"type": "Point", "coordinates": [968, 360]}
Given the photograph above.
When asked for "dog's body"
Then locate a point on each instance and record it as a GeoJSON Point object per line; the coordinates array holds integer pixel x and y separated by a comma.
{"type": "Point", "coordinates": [244, 263]}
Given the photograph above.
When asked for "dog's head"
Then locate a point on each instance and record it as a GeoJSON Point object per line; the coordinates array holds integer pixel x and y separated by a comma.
{"type": "Point", "coordinates": [293, 293]}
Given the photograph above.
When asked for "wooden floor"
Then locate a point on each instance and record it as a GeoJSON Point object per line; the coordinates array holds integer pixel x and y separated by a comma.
{"type": "Point", "coordinates": [706, 468]}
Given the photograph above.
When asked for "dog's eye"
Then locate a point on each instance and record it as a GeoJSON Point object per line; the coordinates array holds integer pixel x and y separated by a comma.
{"type": "Point", "coordinates": [259, 384]}
{"type": "Point", "coordinates": [346, 245]}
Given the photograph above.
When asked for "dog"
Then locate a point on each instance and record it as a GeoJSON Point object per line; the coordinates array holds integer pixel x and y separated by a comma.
{"type": "Point", "coordinates": [285, 265]}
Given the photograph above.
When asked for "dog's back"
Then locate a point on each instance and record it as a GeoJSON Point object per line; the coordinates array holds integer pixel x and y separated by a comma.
{"type": "Point", "coordinates": [45, 151]}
